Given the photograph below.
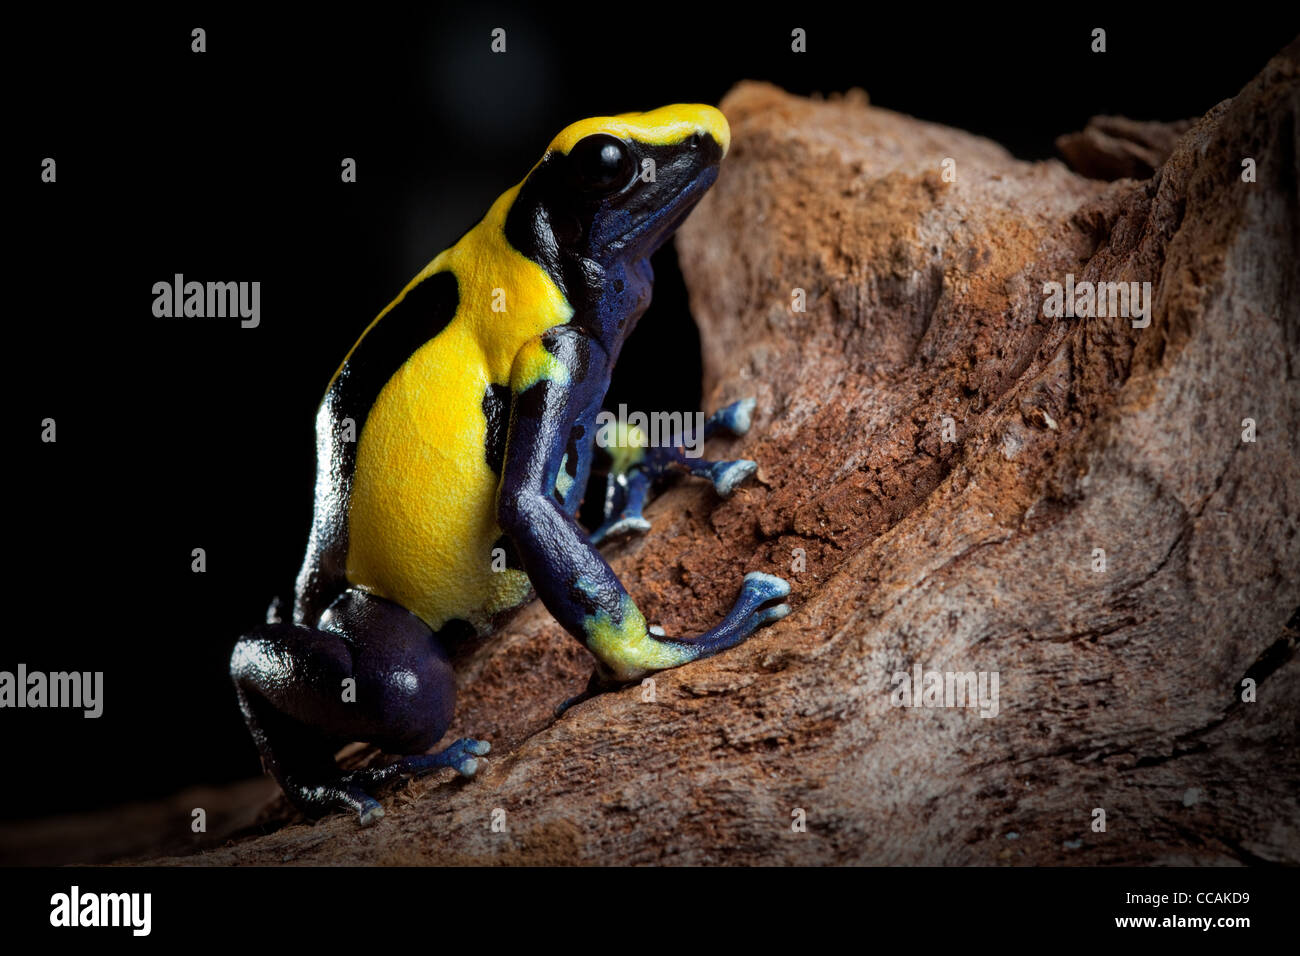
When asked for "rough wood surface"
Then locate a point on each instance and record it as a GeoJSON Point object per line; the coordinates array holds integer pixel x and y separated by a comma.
{"type": "Point", "coordinates": [1119, 689]}
{"type": "Point", "coordinates": [1115, 147]}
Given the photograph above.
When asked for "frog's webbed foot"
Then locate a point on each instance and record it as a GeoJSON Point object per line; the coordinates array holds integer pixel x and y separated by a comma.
{"type": "Point", "coordinates": [351, 791]}
{"type": "Point", "coordinates": [725, 475]}
{"type": "Point", "coordinates": [754, 608]}
{"type": "Point", "coordinates": [734, 419]}
{"type": "Point", "coordinates": [340, 793]}
{"type": "Point", "coordinates": [462, 756]}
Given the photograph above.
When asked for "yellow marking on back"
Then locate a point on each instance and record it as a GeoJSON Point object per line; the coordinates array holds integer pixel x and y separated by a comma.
{"type": "Point", "coordinates": [534, 364]}
{"type": "Point", "coordinates": [563, 480]}
{"type": "Point", "coordinates": [422, 519]}
{"type": "Point", "coordinates": [627, 647]}
{"type": "Point", "coordinates": [661, 127]}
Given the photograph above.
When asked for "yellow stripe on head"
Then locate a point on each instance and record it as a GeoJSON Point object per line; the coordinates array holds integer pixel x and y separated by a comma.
{"type": "Point", "coordinates": [662, 127]}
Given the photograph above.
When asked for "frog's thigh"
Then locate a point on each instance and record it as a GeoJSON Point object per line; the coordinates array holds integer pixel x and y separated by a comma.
{"type": "Point", "coordinates": [405, 691]}
{"type": "Point", "coordinates": [371, 671]}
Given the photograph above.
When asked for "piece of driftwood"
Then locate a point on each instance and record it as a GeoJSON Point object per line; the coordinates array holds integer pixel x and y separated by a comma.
{"type": "Point", "coordinates": [956, 480]}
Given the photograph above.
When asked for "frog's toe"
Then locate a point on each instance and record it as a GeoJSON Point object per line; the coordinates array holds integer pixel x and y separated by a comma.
{"type": "Point", "coordinates": [757, 595]}
{"type": "Point", "coordinates": [755, 607]}
{"type": "Point", "coordinates": [623, 524]}
{"type": "Point", "coordinates": [462, 756]}
{"type": "Point", "coordinates": [346, 792]}
{"type": "Point", "coordinates": [727, 475]}
{"type": "Point", "coordinates": [765, 587]}
{"type": "Point", "coordinates": [467, 766]}
{"type": "Point", "coordinates": [734, 418]}
{"type": "Point", "coordinates": [371, 813]}
{"type": "Point", "coordinates": [770, 614]}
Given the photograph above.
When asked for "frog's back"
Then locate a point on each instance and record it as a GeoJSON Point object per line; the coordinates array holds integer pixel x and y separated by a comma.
{"type": "Point", "coordinates": [407, 509]}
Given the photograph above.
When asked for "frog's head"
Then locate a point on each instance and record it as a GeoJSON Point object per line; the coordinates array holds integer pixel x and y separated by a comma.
{"type": "Point", "coordinates": [612, 189]}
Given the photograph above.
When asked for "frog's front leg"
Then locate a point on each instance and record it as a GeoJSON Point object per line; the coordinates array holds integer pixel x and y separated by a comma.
{"type": "Point", "coordinates": [635, 469]}
{"type": "Point", "coordinates": [554, 378]}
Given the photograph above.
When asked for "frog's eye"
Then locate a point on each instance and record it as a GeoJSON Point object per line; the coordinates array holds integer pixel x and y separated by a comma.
{"type": "Point", "coordinates": [601, 164]}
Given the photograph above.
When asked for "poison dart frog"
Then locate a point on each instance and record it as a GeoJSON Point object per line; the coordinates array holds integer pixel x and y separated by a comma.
{"type": "Point", "coordinates": [454, 445]}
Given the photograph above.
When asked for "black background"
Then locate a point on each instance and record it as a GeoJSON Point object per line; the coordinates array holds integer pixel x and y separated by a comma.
{"type": "Point", "coordinates": [176, 434]}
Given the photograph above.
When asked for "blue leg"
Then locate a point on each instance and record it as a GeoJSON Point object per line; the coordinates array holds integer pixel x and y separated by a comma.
{"type": "Point", "coordinates": [570, 576]}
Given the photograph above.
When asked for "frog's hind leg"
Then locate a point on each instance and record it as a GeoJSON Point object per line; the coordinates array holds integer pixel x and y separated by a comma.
{"type": "Point", "coordinates": [289, 681]}
{"type": "Point", "coordinates": [370, 671]}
